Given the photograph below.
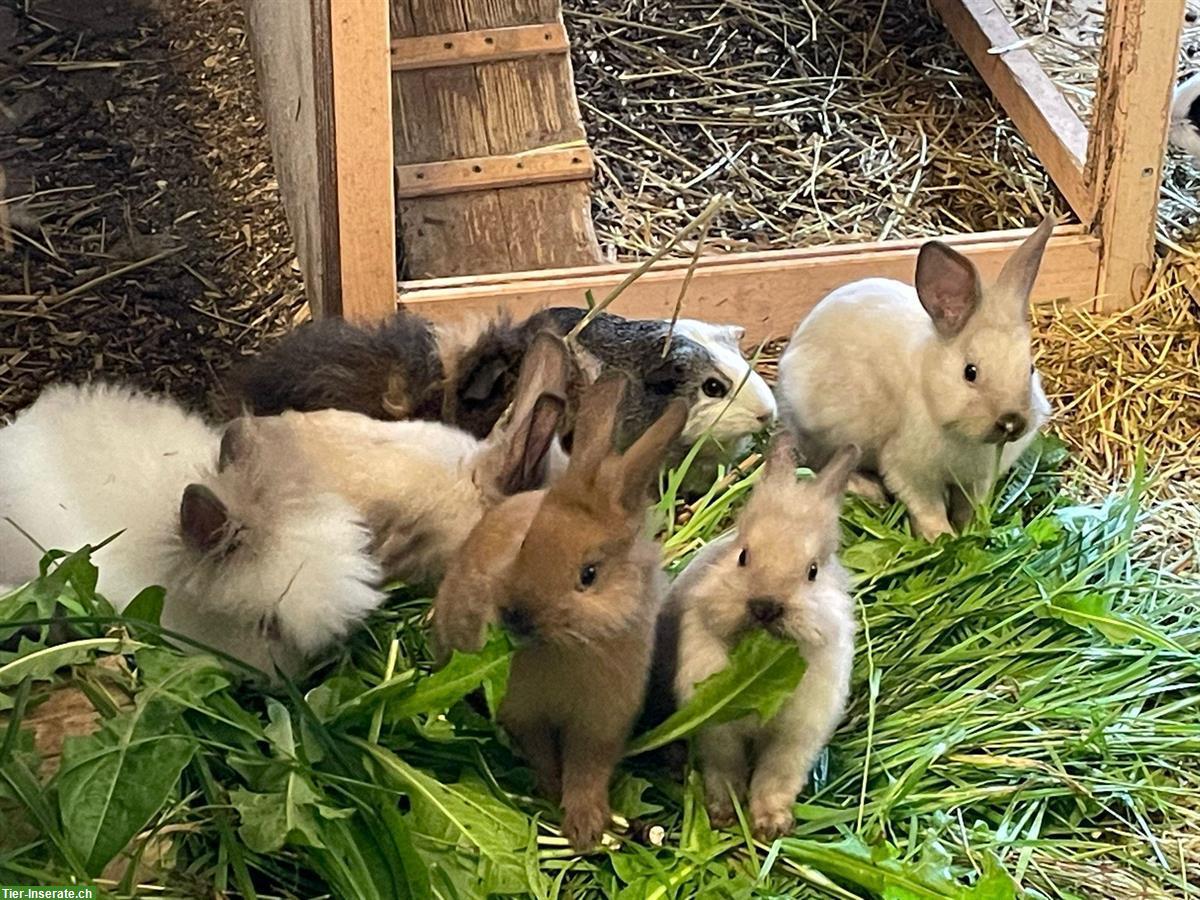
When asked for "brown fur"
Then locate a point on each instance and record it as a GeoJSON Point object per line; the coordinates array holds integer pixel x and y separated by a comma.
{"type": "Point", "coordinates": [525, 565]}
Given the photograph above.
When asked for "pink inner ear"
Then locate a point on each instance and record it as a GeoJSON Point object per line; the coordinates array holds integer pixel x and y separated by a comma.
{"type": "Point", "coordinates": [947, 286]}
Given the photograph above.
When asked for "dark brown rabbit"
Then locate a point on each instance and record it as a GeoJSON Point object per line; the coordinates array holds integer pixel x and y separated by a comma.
{"type": "Point", "coordinates": [571, 574]}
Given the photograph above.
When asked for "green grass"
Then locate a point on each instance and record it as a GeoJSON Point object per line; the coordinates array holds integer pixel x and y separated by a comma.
{"type": "Point", "coordinates": [1025, 720]}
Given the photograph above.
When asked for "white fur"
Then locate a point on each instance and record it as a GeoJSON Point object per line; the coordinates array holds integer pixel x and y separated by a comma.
{"type": "Point", "coordinates": [421, 485]}
{"type": "Point", "coordinates": [783, 531]}
{"type": "Point", "coordinates": [750, 405]}
{"type": "Point", "coordinates": [1183, 133]}
{"type": "Point", "coordinates": [83, 463]}
{"type": "Point", "coordinates": [867, 367]}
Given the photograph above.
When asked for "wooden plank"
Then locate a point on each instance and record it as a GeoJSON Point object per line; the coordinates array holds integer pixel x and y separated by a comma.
{"type": "Point", "coordinates": [767, 292]}
{"type": "Point", "coordinates": [362, 112]}
{"type": "Point", "coordinates": [1132, 116]}
{"type": "Point", "coordinates": [285, 50]}
{"type": "Point", "coordinates": [545, 165]}
{"type": "Point", "coordinates": [487, 45]}
{"type": "Point", "coordinates": [490, 109]}
{"type": "Point", "coordinates": [1031, 99]}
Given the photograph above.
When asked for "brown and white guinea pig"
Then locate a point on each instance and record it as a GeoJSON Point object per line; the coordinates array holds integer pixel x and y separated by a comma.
{"type": "Point", "coordinates": [572, 575]}
{"type": "Point", "coordinates": [421, 486]}
{"type": "Point", "coordinates": [465, 374]}
{"type": "Point", "coordinates": [253, 565]}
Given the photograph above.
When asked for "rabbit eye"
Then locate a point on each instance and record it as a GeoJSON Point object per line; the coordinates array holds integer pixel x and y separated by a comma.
{"type": "Point", "coordinates": [970, 372]}
{"type": "Point", "coordinates": [714, 387]}
{"type": "Point", "coordinates": [812, 571]}
{"type": "Point", "coordinates": [743, 557]}
{"type": "Point", "coordinates": [587, 575]}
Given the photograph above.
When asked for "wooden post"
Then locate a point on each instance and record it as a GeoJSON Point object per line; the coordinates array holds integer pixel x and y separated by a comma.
{"type": "Point", "coordinates": [1129, 136]}
{"type": "Point", "coordinates": [361, 72]}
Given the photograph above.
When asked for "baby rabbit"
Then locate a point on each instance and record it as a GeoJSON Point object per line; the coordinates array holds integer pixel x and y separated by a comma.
{"type": "Point", "coordinates": [571, 574]}
{"type": "Point", "coordinates": [936, 384]}
{"type": "Point", "coordinates": [252, 564]}
{"type": "Point", "coordinates": [777, 571]}
{"type": "Point", "coordinates": [422, 486]}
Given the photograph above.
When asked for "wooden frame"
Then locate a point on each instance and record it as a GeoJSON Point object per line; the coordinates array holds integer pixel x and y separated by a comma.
{"type": "Point", "coordinates": [1110, 178]}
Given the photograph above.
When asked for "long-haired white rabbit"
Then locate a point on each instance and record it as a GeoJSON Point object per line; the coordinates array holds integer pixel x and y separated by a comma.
{"type": "Point", "coordinates": [253, 565]}
{"type": "Point", "coordinates": [935, 383]}
{"type": "Point", "coordinates": [778, 571]}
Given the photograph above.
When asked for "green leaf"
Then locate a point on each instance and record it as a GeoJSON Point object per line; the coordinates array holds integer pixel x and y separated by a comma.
{"type": "Point", "coordinates": [292, 816]}
{"type": "Point", "coordinates": [1095, 610]}
{"type": "Point", "coordinates": [627, 796]}
{"type": "Point", "coordinates": [762, 673]}
{"type": "Point", "coordinates": [878, 870]}
{"type": "Point", "coordinates": [463, 824]}
{"type": "Point", "coordinates": [437, 692]}
{"type": "Point", "coordinates": [42, 664]}
{"type": "Point", "coordinates": [147, 605]}
{"type": "Point", "coordinates": [112, 782]}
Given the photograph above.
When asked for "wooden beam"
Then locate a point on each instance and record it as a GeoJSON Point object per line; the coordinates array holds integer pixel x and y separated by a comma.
{"type": "Point", "coordinates": [460, 48]}
{"type": "Point", "coordinates": [288, 51]}
{"type": "Point", "coordinates": [1132, 116]}
{"type": "Point", "coordinates": [767, 292]}
{"type": "Point", "coordinates": [1031, 99]}
{"type": "Point", "coordinates": [360, 57]}
{"type": "Point", "coordinates": [545, 165]}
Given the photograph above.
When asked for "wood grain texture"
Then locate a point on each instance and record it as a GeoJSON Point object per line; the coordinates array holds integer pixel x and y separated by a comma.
{"type": "Point", "coordinates": [546, 165]}
{"type": "Point", "coordinates": [286, 52]}
{"type": "Point", "coordinates": [469, 47]}
{"type": "Point", "coordinates": [494, 108]}
{"type": "Point", "coordinates": [768, 292]}
{"type": "Point", "coordinates": [1132, 116]}
{"type": "Point", "coordinates": [1031, 99]}
{"type": "Point", "coordinates": [362, 111]}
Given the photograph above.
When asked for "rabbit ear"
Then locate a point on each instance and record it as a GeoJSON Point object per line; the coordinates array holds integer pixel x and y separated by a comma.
{"type": "Point", "coordinates": [203, 518]}
{"type": "Point", "coordinates": [781, 458]}
{"type": "Point", "coordinates": [545, 369]}
{"type": "Point", "coordinates": [832, 479]}
{"type": "Point", "coordinates": [641, 462]}
{"type": "Point", "coordinates": [596, 421]}
{"type": "Point", "coordinates": [523, 465]}
{"type": "Point", "coordinates": [948, 287]}
{"type": "Point", "coordinates": [1020, 271]}
{"type": "Point", "coordinates": [234, 443]}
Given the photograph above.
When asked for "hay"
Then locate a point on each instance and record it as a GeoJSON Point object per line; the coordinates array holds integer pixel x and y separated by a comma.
{"type": "Point", "coordinates": [141, 234]}
{"type": "Point", "coordinates": [824, 121]}
{"type": "Point", "coordinates": [1065, 37]}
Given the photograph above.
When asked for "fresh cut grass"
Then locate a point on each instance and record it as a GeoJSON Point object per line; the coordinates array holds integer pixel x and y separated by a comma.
{"type": "Point", "coordinates": [1024, 721]}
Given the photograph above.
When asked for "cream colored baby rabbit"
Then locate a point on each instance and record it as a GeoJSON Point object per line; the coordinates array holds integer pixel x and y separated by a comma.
{"type": "Point", "coordinates": [777, 571]}
{"type": "Point", "coordinates": [936, 384]}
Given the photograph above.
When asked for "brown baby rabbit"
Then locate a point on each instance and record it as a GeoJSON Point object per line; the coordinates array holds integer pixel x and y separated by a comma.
{"type": "Point", "coordinates": [570, 573]}
{"type": "Point", "coordinates": [777, 571]}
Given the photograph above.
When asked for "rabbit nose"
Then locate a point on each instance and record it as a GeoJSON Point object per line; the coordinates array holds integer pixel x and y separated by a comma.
{"type": "Point", "coordinates": [765, 610]}
{"type": "Point", "coordinates": [1011, 425]}
{"type": "Point", "coordinates": [516, 621]}
{"type": "Point", "coordinates": [766, 419]}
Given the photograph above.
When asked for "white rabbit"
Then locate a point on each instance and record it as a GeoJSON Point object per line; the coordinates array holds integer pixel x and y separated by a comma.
{"type": "Point", "coordinates": [422, 486]}
{"type": "Point", "coordinates": [253, 565]}
{"type": "Point", "coordinates": [935, 384]}
{"type": "Point", "coordinates": [778, 571]}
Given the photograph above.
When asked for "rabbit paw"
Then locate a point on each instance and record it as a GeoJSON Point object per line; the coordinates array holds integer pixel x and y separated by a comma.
{"type": "Point", "coordinates": [771, 821]}
{"type": "Point", "coordinates": [869, 488]}
{"type": "Point", "coordinates": [721, 813]}
{"type": "Point", "coordinates": [583, 826]}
